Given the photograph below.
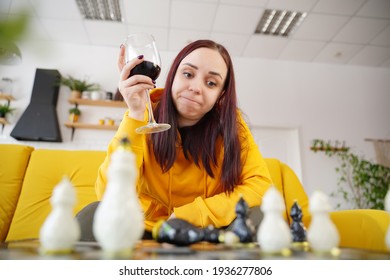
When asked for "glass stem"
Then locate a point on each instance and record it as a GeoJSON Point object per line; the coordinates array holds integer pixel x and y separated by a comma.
{"type": "Point", "coordinates": [150, 110]}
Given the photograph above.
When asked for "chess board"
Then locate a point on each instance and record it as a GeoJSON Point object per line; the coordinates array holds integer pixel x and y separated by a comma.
{"type": "Point", "coordinates": [152, 250]}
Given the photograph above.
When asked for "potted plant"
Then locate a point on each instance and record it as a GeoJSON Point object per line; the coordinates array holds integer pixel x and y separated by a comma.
{"type": "Point", "coordinates": [74, 114]}
{"type": "Point", "coordinates": [362, 183]}
{"type": "Point", "coordinates": [5, 109]}
{"type": "Point", "coordinates": [77, 86]}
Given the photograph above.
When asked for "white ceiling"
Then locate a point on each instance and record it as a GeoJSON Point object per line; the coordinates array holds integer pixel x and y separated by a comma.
{"type": "Point", "coordinates": [355, 32]}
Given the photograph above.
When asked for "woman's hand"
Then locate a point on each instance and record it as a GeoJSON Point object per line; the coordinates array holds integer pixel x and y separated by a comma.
{"type": "Point", "coordinates": [133, 88]}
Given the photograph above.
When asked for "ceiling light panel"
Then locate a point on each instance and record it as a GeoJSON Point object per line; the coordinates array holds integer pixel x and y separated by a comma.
{"type": "Point", "coordinates": [109, 10]}
{"type": "Point", "coordinates": [279, 22]}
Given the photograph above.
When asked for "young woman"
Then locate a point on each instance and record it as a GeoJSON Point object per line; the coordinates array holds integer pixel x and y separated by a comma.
{"type": "Point", "coordinates": [198, 169]}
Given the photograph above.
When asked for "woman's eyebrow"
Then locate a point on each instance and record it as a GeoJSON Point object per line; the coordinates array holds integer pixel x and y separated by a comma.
{"type": "Point", "coordinates": [196, 67]}
{"type": "Point", "coordinates": [191, 65]}
{"type": "Point", "coordinates": [216, 74]}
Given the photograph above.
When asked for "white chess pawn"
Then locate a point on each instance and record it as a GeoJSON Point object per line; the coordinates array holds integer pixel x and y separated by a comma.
{"type": "Point", "coordinates": [322, 234]}
{"type": "Point", "coordinates": [274, 235]}
{"type": "Point", "coordinates": [60, 231]}
{"type": "Point", "coordinates": [387, 208]}
{"type": "Point", "coordinates": [119, 221]}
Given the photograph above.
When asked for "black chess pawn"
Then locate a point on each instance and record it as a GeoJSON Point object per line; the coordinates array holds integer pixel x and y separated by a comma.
{"type": "Point", "coordinates": [212, 234]}
{"type": "Point", "coordinates": [178, 232]}
{"type": "Point", "coordinates": [298, 230]}
{"type": "Point", "coordinates": [182, 233]}
{"type": "Point", "coordinates": [239, 225]}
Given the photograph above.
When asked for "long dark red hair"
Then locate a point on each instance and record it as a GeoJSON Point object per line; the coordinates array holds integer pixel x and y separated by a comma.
{"type": "Point", "coordinates": [220, 122]}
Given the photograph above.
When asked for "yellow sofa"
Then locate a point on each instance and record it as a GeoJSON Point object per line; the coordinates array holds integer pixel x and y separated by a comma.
{"type": "Point", "coordinates": [28, 176]}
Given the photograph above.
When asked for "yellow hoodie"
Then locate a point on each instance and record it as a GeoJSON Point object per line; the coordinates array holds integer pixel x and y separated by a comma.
{"type": "Point", "coordinates": [186, 189]}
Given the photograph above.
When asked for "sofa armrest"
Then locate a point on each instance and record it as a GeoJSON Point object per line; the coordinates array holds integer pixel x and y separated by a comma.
{"type": "Point", "coordinates": [13, 165]}
{"type": "Point", "coordinates": [45, 170]}
{"type": "Point", "coordinates": [362, 228]}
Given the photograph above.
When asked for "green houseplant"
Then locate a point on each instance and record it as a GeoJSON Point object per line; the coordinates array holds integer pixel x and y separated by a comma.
{"type": "Point", "coordinates": [5, 109]}
{"type": "Point", "coordinates": [77, 86]}
{"type": "Point", "coordinates": [74, 114]}
{"type": "Point", "coordinates": [362, 183]}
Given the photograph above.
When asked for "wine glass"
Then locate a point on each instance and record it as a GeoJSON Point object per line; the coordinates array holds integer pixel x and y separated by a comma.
{"type": "Point", "coordinates": [144, 44]}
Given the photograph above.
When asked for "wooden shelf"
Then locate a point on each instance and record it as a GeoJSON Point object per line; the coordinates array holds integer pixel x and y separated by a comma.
{"type": "Point", "coordinates": [90, 102]}
{"type": "Point", "coordinates": [105, 103]}
{"type": "Point", "coordinates": [328, 149]}
{"type": "Point", "coordinates": [3, 121]}
{"type": "Point", "coordinates": [91, 126]}
{"type": "Point", "coordinates": [6, 97]}
{"type": "Point", "coordinates": [377, 140]}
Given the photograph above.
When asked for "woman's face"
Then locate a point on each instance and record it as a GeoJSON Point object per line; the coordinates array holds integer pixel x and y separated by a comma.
{"type": "Point", "coordinates": [198, 83]}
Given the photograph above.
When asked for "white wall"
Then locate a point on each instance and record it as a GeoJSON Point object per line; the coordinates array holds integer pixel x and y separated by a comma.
{"type": "Point", "coordinates": [329, 102]}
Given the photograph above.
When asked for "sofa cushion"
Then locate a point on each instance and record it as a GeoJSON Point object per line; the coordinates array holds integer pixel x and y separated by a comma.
{"type": "Point", "coordinates": [13, 162]}
{"type": "Point", "coordinates": [362, 228]}
{"type": "Point", "coordinates": [285, 180]}
{"type": "Point", "coordinates": [45, 170]}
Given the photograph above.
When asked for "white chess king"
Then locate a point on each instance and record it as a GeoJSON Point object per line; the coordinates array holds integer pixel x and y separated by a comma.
{"type": "Point", "coordinates": [119, 222]}
{"type": "Point", "coordinates": [274, 235]}
{"type": "Point", "coordinates": [322, 234]}
{"type": "Point", "coordinates": [60, 231]}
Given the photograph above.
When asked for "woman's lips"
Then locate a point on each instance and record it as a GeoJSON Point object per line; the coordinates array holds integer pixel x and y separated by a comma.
{"type": "Point", "coordinates": [190, 100]}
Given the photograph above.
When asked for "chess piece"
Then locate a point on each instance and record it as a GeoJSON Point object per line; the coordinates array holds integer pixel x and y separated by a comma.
{"type": "Point", "coordinates": [119, 222]}
{"type": "Point", "coordinates": [212, 234]}
{"type": "Point", "coordinates": [182, 233]}
{"type": "Point", "coordinates": [178, 232]}
{"type": "Point", "coordinates": [387, 208]}
{"type": "Point", "coordinates": [229, 238]}
{"type": "Point", "coordinates": [274, 235]}
{"type": "Point", "coordinates": [322, 234]}
{"type": "Point", "coordinates": [239, 225]}
{"type": "Point", "coordinates": [298, 230]}
{"type": "Point", "coordinates": [60, 231]}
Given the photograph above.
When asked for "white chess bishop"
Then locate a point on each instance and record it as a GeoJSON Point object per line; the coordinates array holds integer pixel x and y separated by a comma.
{"type": "Point", "coordinates": [322, 234]}
{"type": "Point", "coordinates": [60, 231]}
{"type": "Point", "coordinates": [387, 208]}
{"type": "Point", "coordinates": [273, 235]}
{"type": "Point", "coordinates": [119, 222]}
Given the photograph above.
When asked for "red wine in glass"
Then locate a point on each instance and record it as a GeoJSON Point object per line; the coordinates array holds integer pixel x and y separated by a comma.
{"type": "Point", "coordinates": [143, 44]}
{"type": "Point", "coordinates": [146, 68]}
